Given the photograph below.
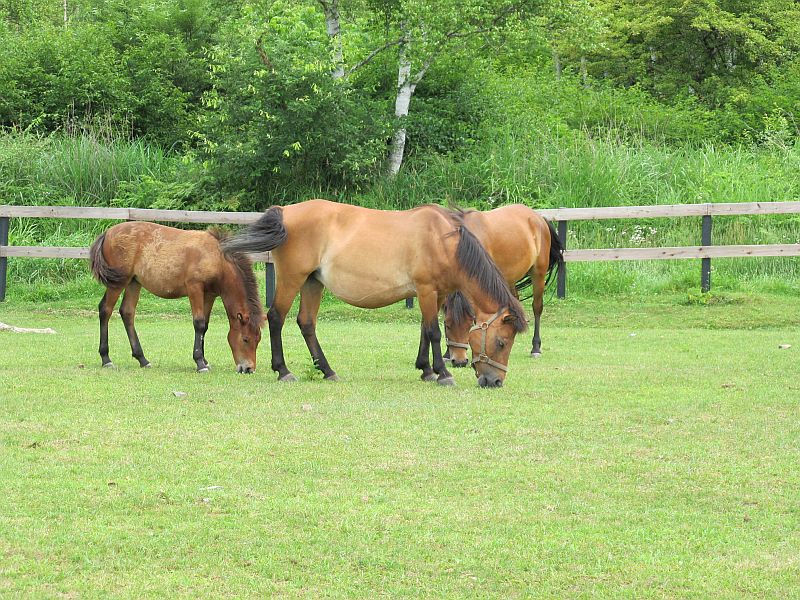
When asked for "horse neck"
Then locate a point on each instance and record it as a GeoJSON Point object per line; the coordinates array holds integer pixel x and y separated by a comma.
{"type": "Point", "coordinates": [231, 290]}
{"type": "Point", "coordinates": [479, 299]}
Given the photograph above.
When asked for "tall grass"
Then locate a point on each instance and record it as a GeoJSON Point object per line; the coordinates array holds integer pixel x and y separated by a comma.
{"type": "Point", "coordinates": [78, 170]}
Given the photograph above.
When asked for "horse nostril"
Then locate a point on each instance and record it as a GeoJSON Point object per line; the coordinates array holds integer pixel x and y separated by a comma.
{"type": "Point", "coordinates": [249, 370]}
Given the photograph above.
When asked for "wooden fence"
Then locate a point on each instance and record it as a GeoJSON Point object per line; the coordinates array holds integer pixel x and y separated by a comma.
{"type": "Point", "coordinates": [705, 251]}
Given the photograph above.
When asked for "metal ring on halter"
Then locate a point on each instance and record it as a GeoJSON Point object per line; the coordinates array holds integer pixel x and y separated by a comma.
{"type": "Point", "coordinates": [482, 356]}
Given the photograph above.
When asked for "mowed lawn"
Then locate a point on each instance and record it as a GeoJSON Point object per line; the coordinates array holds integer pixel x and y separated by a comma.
{"type": "Point", "coordinates": [652, 451]}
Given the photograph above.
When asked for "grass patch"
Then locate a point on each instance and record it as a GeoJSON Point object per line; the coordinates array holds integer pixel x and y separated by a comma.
{"type": "Point", "coordinates": [659, 464]}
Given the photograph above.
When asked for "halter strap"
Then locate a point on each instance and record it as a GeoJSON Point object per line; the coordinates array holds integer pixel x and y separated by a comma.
{"type": "Point", "coordinates": [482, 357]}
{"type": "Point", "coordinates": [453, 344]}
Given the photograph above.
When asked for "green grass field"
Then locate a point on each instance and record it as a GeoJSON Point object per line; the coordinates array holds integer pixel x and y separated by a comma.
{"type": "Point", "coordinates": [652, 452]}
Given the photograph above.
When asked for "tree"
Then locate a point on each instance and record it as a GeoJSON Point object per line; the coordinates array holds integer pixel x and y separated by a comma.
{"type": "Point", "coordinates": [422, 31]}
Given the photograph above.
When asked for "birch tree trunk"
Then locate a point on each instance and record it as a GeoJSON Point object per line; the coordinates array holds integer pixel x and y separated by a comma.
{"type": "Point", "coordinates": [557, 65]}
{"type": "Point", "coordinates": [405, 89]}
{"type": "Point", "coordinates": [584, 73]}
{"type": "Point", "coordinates": [331, 10]}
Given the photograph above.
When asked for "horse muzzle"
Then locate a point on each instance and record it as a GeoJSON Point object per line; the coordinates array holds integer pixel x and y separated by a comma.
{"type": "Point", "coordinates": [245, 368]}
{"type": "Point", "coordinates": [490, 381]}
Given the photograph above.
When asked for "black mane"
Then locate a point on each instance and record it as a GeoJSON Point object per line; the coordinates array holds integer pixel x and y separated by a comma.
{"type": "Point", "coordinates": [479, 266]}
{"type": "Point", "coordinates": [458, 308]}
{"type": "Point", "coordinates": [244, 267]}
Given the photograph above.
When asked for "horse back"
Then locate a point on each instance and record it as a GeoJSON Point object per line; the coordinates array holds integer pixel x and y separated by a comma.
{"type": "Point", "coordinates": [164, 260]}
{"type": "Point", "coordinates": [366, 257]}
{"type": "Point", "coordinates": [515, 236]}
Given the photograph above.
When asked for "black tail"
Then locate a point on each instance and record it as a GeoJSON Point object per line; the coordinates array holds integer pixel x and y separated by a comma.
{"type": "Point", "coordinates": [556, 260]}
{"type": "Point", "coordinates": [104, 273]}
{"type": "Point", "coordinates": [556, 253]}
{"type": "Point", "coordinates": [265, 234]}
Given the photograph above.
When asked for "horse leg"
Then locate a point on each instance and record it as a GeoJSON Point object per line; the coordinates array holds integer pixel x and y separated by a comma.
{"type": "Point", "coordinates": [538, 306]}
{"type": "Point", "coordinates": [127, 311]}
{"type": "Point", "coordinates": [199, 319]}
{"type": "Point", "coordinates": [105, 310]}
{"type": "Point", "coordinates": [429, 306]}
{"type": "Point", "coordinates": [310, 299]}
{"type": "Point", "coordinates": [276, 316]}
{"type": "Point", "coordinates": [208, 304]}
{"type": "Point", "coordinates": [423, 356]}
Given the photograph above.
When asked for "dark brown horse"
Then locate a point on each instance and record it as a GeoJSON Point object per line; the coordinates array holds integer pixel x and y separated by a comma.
{"type": "Point", "coordinates": [525, 248]}
{"type": "Point", "coordinates": [373, 258]}
{"type": "Point", "coordinates": [173, 263]}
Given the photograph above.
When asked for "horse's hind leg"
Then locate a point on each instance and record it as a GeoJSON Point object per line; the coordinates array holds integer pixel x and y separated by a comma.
{"type": "Point", "coordinates": [310, 299]}
{"type": "Point", "coordinates": [105, 310]}
{"type": "Point", "coordinates": [538, 305]}
{"type": "Point", "coordinates": [276, 316]}
{"type": "Point", "coordinates": [127, 311]}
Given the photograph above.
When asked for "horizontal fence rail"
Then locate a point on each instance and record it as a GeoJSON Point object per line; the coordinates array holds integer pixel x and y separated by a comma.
{"type": "Point", "coordinates": [562, 215]}
{"type": "Point", "coordinates": [719, 209]}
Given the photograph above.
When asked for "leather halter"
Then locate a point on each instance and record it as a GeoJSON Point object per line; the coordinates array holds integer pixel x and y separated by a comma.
{"type": "Point", "coordinates": [482, 357]}
{"type": "Point", "coordinates": [452, 344]}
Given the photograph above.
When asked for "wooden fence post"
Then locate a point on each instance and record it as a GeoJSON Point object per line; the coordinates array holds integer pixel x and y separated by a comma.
{"type": "Point", "coordinates": [3, 260]}
{"type": "Point", "coordinates": [561, 288]}
{"type": "Point", "coordinates": [705, 269]}
{"type": "Point", "coordinates": [270, 284]}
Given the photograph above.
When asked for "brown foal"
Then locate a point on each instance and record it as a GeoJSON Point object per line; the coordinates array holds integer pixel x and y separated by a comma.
{"type": "Point", "coordinates": [173, 263]}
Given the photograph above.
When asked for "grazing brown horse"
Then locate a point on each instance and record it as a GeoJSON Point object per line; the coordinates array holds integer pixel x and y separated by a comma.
{"type": "Point", "coordinates": [173, 263]}
{"type": "Point", "coordinates": [373, 258]}
{"type": "Point", "coordinates": [525, 248]}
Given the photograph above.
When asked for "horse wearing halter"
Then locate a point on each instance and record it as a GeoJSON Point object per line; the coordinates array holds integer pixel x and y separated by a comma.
{"type": "Point", "coordinates": [483, 357]}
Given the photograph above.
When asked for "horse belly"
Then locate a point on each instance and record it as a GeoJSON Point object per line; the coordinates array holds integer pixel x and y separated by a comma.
{"type": "Point", "coordinates": [366, 288]}
{"type": "Point", "coordinates": [163, 274]}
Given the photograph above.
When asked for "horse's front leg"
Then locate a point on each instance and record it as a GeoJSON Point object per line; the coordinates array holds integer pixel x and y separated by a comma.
{"type": "Point", "coordinates": [429, 306]}
{"type": "Point", "coordinates": [423, 355]}
{"type": "Point", "coordinates": [200, 321]}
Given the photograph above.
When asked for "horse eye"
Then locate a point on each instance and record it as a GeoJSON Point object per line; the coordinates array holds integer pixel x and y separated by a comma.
{"type": "Point", "coordinates": [501, 343]}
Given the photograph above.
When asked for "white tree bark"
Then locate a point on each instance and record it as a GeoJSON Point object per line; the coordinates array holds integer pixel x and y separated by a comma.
{"type": "Point", "coordinates": [405, 89]}
{"type": "Point", "coordinates": [65, 13]}
{"type": "Point", "coordinates": [557, 65]}
{"type": "Point", "coordinates": [331, 10]}
{"type": "Point", "coordinates": [584, 72]}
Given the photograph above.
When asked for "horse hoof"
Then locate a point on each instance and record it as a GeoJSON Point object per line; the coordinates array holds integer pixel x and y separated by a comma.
{"type": "Point", "coordinates": [333, 377]}
{"type": "Point", "coordinates": [536, 355]}
{"type": "Point", "coordinates": [109, 365]}
{"type": "Point", "coordinates": [429, 376]}
{"type": "Point", "coordinates": [287, 378]}
{"type": "Point", "coordinates": [203, 370]}
{"type": "Point", "coordinates": [146, 366]}
{"type": "Point", "coordinates": [446, 381]}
